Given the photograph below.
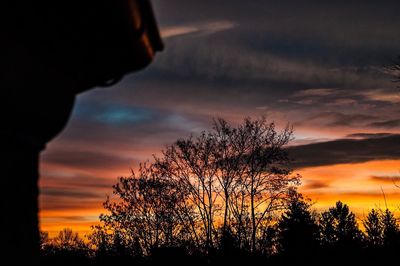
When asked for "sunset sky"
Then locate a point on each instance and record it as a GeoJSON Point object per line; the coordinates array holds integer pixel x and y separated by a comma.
{"type": "Point", "coordinates": [318, 65]}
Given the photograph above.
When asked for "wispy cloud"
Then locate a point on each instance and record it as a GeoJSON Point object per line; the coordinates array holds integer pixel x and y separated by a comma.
{"type": "Point", "coordinates": [173, 31]}
{"type": "Point", "coordinates": [386, 179]}
{"type": "Point", "coordinates": [315, 92]}
{"type": "Point", "coordinates": [68, 193]}
{"type": "Point", "coordinates": [395, 123]}
{"type": "Point", "coordinates": [315, 184]}
{"type": "Point", "coordinates": [382, 95]}
{"type": "Point", "coordinates": [338, 119]}
{"type": "Point", "coordinates": [204, 28]}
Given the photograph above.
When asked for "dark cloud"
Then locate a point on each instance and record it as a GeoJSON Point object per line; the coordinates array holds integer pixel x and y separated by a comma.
{"type": "Point", "coordinates": [60, 204]}
{"type": "Point", "coordinates": [387, 124]}
{"type": "Point", "coordinates": [315, 185]}
{"type": "Point", "coordinates": [86, 159]}
{"type": "Point", "coordinates": [75, 194]}
{"type": "Point", "coordinates": [386, 179]}
{"type": "Point", "coordinates": [71, 198]}
{"type": "Point", "coordinates": [346, 151]}
{"type": "Point", "coordinates": [368, 135]}
{"type": "Point", "coordinates": [74, 218]}
{"type": "Point", "coordinates": [73, 180]}
{"type": "Point", "coordinates": [338, 119]}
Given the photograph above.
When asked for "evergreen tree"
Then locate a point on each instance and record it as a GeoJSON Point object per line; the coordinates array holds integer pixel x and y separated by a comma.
{"type": "Point", "coordinates": [374, 229]}
{"type": "Point", "coordinates": [339, 227]}
{"type": "Point", "coordinates": [298, 228]}
{"type": "Point", "coordinates": [391, 230]}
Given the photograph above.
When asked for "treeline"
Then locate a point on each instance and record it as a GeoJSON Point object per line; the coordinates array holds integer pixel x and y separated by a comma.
{"type": "Point", "coordinates": [300, 235]}
{"type": "Point", "coordinates": [226, 196]}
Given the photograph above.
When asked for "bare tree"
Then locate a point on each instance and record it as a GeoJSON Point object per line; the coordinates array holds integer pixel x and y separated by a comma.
{"type": "Point", "coordinates": [67, 239]}
{"type": "Point", "coordinates": [267, 175]}
{"type": "Point", "coordinates": [148, 210]}
{"type": "Point", "coordinates": [228, 181]}
{"type": "Point", "coordinates": [191, 164]}
{"type": "Point", "coordinates": [245, 170]}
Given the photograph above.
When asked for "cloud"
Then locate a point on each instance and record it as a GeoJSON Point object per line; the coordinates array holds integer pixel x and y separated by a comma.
{"type": "Point", "coordinates": [337, 119]}
{"type": "Point", "coordinates": [221, 61]}
{"type": "Point", "coordinates": [114, 114]}
{"type": "Point", "coordinates": [73, 218]}
{"type": "Point", "coordinates": [173, 31]}
{"type": "Point", "coordinates": [72, 180]}
{"type": "Point", "coordinates": [68, 193]}
{"type": "Point", "coordinates": [87, 159]}
{"type": "Point", "coordinates": [345, 151]}
{"type": "Point", "coordinates": [314, 184]}
{"type": "Point", "coordinates": [395, 123]}
{"type": "Point", "coordinates": [368, 135]}
{"type": "Point", "coordinates": [60, 204]}
{"type": "Point", "coordinates": [386, 179]}
{"type": "Point", "coordinates": [340, 96]}
{"type": "Point", "coordinates": [315, 92]}
{"type": "Point", "coordinates": [383, 96]}
{"type": "Point", "coordinates": [123, 116]}
{"type": "Point", "coordinates": [204, 28]}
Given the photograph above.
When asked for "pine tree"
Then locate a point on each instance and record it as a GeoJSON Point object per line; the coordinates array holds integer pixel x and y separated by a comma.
{"type": "Point", "coordinates": [298, 229]}
{"type": "Point", "coordinates": [391, 230]}
{"type": "Point", "coordinates": [374, 229]}
{"type": "Point", "coordinates": [340, 228]}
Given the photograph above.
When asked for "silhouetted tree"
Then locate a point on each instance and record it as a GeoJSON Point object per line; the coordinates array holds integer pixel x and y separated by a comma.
{"type": "Point", "coordinates": [67, 239]}
{"type": "Point", "coordinates": [266, 178]}
{"type": "Point", "coordinates": [101, 240]}
{"type": "Point", "coordinates": [268, 241]}
{"type": "Point", "coordinates": [244, 169]}
{"type": "Point", "coordinates": [67, 248]}
{"type": "Point", "coordinates": [374, 229]}
{"type": "Point", "coordinates": [339, 227]}
{"type": "Point", "coordinates": [230, 149]}
{"type": "Point", "coordinates": [191, 163]}
{"type": "Point", "coordinates": [44, 239]}
{"type": "Point", "coordinates": [382, 229]}
{"type": "Point", "coordinates": [391, 230]}
{"type": "Point", "coordinates": [226, 183]}
{"type": "Point", "coordinates": [228, 245]}
{"type": "Point", "coordinates": [298, 228]}
{"type": "Point", "coordinates": [148, 213]}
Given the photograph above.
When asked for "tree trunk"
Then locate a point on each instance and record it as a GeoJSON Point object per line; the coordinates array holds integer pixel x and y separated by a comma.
{"type": "Point", "coordinates": [226, 210]}
{"type": "Point", "coordinates": [253, 224]}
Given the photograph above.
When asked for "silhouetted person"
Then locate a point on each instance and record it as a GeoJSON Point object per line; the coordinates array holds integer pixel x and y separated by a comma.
{"type": "Point", "coordinates": [50, 51]}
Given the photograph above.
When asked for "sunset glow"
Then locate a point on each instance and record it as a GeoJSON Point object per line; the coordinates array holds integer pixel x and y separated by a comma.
{"type": "Point", "coordinates": [325, 75]}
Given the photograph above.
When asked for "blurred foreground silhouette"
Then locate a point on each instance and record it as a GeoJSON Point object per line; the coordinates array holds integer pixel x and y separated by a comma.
{"type": "Point", "coordinates": [51, 51]}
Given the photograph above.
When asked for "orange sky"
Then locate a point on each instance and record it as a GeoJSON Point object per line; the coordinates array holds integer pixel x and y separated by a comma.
{"type": "Point", "coordinates": [359, 185]}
